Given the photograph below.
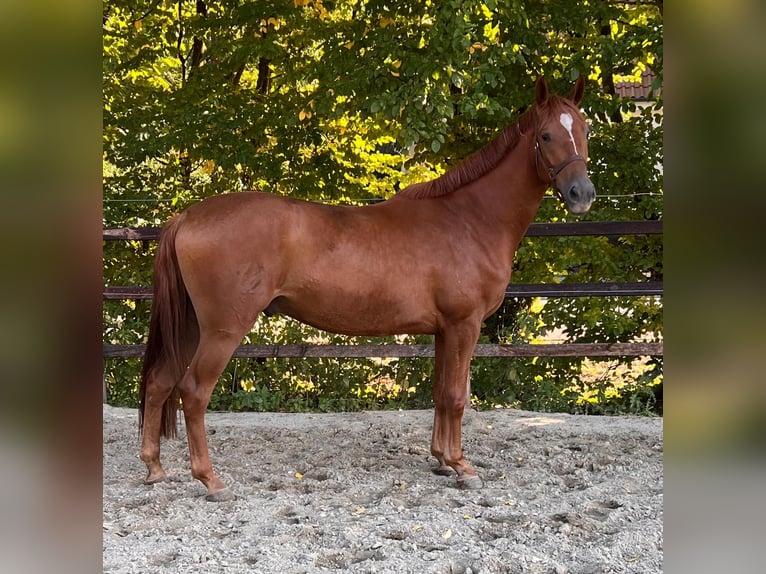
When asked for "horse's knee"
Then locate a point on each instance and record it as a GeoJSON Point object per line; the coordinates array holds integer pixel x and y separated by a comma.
{"type": "Point", "coordinates": [452, 403]}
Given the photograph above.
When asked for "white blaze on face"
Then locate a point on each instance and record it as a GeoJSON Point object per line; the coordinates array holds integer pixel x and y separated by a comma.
{"type": "Point", "coordinates": [567, 122]}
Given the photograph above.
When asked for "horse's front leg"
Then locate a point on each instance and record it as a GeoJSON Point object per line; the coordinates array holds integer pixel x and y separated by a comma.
{"type": "Point", "coordinates": [454, 348]}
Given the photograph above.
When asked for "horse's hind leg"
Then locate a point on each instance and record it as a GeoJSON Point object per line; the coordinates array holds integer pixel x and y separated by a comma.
{"type": "Point", "coordinates": [159, 386]}
{"type": "Point", "coordinates": [214, 351]}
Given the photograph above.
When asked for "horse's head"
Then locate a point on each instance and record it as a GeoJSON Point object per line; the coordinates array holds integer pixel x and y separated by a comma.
{"type": "Point", "coordinates": [561, 146]}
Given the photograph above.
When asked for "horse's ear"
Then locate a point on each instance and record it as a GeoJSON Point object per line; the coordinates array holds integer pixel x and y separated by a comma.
{"type": "Point", "coordinates": [578, 91]}
{"type": "Point", "coordinates": [541, 91]}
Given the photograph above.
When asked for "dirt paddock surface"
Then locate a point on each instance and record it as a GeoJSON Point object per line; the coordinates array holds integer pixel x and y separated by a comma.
{"type": "Point", "coordinates": [353, 492]}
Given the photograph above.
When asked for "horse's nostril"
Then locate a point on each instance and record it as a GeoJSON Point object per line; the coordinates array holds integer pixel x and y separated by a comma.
{"type": "Point", "coordinates": [574, 193]}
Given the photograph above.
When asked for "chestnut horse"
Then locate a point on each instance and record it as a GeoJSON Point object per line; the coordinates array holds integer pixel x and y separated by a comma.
{"type": "Point", "coordinates": [433, 259]}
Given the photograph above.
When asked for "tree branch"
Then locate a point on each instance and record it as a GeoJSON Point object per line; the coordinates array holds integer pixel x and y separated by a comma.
{"type": "Point", "coordinates": [607, 76]}
{"type": "Point", "coordinates": [263, 84]}
{"type": "Point", "coordinates": [181, 57]}
{"type": "Point", "coordinates": [197, 44]}
{"type": "Point", "coordinates": [151, 9]}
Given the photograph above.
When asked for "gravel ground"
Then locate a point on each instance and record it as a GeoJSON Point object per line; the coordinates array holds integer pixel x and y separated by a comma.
{"type": "Point", "coordinates": [353, 492]}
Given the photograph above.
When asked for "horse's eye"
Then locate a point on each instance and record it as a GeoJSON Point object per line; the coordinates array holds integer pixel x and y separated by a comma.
{"type": "Point", "coordinates": [546, 137]}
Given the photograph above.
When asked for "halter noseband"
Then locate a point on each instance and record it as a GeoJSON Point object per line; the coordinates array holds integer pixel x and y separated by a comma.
{"type": "Point", "coordinates": [552, 171]}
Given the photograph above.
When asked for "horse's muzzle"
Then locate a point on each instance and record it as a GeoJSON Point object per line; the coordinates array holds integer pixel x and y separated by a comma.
{"type": "Point", "coordinates": [578, 194]}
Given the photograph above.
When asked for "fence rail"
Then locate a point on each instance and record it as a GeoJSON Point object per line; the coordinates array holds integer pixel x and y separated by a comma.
{"type": "Point", "coordinates": [513, 290]}
{"type": "Point", "coordinates": [594, 228]}
{"type": "Point", "coordinates": [416, 351]}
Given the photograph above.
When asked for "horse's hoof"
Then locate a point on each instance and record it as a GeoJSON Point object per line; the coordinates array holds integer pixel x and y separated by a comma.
{"type": "Point", "coordinates": [469, 483]}
{"type": "Point", "coordinates": [224, 495]}
{"type": "Point", "coordinates": [443, 470]}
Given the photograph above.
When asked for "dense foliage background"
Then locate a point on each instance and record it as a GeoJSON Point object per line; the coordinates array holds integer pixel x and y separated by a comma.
{"type": "Point", "coordinates": [349, 101]}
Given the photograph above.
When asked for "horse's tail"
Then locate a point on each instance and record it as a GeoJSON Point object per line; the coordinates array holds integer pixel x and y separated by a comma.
{"type": "Point", "coordinates": [170, 327]}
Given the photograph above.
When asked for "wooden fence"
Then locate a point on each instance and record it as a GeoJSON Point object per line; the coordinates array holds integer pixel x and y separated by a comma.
{"type": "Point", "coordinates": [617, 229]}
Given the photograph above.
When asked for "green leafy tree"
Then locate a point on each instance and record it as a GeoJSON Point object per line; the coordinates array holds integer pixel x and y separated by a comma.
{"type": "Point", "coordinates": [349, 101]}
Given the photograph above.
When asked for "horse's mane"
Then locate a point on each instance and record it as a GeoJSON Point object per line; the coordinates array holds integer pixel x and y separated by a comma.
{"type": "Point", "coordinates": [486, 159]}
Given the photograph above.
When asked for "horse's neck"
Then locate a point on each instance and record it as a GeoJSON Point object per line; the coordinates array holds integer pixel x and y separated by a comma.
{"type": "Point", "coordinates": [511, 193]}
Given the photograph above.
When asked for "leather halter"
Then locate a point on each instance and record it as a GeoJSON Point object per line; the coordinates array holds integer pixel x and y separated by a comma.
{"type": "Point", "coordinates": [552, 171]}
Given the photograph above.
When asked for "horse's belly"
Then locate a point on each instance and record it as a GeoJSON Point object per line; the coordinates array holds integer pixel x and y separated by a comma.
{"type": "Point", "coordinates": [356, 315]}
